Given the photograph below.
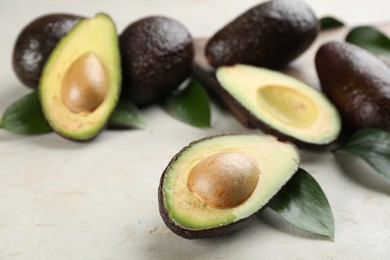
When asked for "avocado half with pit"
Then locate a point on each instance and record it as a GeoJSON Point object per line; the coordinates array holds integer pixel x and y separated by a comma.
{"type": "Point", "coordinates": [278, 104]}
{"type": "Point", "coordinates": [216, 184]}
{"type": "Point", "coordinates": [80, 83]}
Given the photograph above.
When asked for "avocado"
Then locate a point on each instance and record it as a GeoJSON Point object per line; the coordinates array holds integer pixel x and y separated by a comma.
{"type": "Point", "coordinates": [270, 35]}
{"type": "Point", "coordinates": [157, 54]}
{"type": "Point", "coordinates": [275, 103]}
{"type": "Point", "coordinates": [357, 82]}
{"type": "Point", "coordinates": [80, 83]}
{"type": "Point", "coordinates": [215, 185]}
{"type": "Point", "coordinates": [36, 41]}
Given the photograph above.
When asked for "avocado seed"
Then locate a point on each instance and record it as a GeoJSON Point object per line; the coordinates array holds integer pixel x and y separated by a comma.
{"type": "Point", "coordinates": [84, 84]}
{"type": "Point", "coordinates": [224, 180]}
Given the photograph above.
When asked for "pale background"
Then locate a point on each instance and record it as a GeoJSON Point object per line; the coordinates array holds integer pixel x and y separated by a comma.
{"type": "Point", "coordinates": [65, 200]}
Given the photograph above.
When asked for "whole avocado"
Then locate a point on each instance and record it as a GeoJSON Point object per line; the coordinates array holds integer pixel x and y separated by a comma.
{"type": "Point", "coordinates": [357, 82]}
{"type": "Point", "coordinates": [36, 41]}
{"type": "Point", "coordinates": [268, 35]}
{"type": "Point", "coordinates": [157, 54]}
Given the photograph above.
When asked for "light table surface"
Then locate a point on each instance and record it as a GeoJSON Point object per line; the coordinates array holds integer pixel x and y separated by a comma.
{"type": "Point", "coordinates": [65, 200]}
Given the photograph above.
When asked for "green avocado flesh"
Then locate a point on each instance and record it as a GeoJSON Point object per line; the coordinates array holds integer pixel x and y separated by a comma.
{"type": "Point", "coordinates": [283, 103]}
{"type": "Point", "coordinates": [80, 83]}
{"type": "Point", "coordinates": [276, 161]}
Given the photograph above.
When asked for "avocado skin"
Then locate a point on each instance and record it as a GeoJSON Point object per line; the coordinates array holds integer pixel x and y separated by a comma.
{"type": "Point", "coordinates": [268, 35]}
{"type": "Point", "coordinates": [199, 234]}
{"type": "Point", "coordinates": [193, 233]}
{"type": "Point", "coordinates": [35, 43]}
{"type": "Point", "coordinates": [357, 82]}
{"type": "Point", "coordinates": [157, 53]}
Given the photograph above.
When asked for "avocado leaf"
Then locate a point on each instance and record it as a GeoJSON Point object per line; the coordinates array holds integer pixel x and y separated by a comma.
{"type": "Point", "coordinates": [25, 116]}
{"type": "Point", "coordinates": [373, 146]}
{"type": "Point", "coordinates": [126, 115]}
{"type": "Point", "coordinates": [370, 39]}
{"type": "Point", "coordinates": [329, 22]}
{"type": "Point", "coordinates": [190, 105]}
{"type": "Point", "coordinates": [303, 204]}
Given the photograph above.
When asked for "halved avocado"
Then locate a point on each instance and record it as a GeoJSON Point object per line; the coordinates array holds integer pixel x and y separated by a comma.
{"type": "Point", "coordinates": [80, 83]}
{"type": "Point", "coordinates": [278, 104]}
{"type": "Point", "coordinates": [214, 185]}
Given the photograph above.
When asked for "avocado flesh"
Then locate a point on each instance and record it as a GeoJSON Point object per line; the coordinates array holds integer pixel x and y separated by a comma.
{"type": "Point", "coordinates": [96, 36]}
{"type": "Point", "coordinates": [282, 103]}
{"type": "Point", "coordinates": [277, 162]}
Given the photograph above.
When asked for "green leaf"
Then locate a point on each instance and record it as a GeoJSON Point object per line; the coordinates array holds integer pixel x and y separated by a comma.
{"type": "Point", "coordinates": [190, 105]}
{"type": "Point", "coordinates": [373, 146]}
{"type": "Point", "coordinates": [303, 203]}
{"type": "Point", "coordinates": [370, 39]}
{"type": "Point", "coordinates": [126, 115]}
{"type": "Point", "coordinates": [329, 22]}
{"type": "Point", "coordinates": [25, 116]}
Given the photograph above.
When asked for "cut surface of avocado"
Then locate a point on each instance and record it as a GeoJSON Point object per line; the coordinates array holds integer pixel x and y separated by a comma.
{"type": "Point", "coordinates": [80, 83]}
{"type": "Point", "coordinates": [282, 103]}
{"type": "Point", "coordinates": [261, 163]}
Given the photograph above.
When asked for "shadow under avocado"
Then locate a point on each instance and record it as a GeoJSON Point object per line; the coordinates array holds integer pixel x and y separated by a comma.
{"type": "Point", "coordinates": [175, 247]}
{"type": "Point", "coordinates": [359, 172]}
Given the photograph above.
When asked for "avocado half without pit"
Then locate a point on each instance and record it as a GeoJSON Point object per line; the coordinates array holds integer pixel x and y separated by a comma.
{"type": "Point", "coordinates": [278, 104]}
{"type": "Point", "coordinates": [80, 83]}
{"type": "Point", "coordinates": [216, 184]}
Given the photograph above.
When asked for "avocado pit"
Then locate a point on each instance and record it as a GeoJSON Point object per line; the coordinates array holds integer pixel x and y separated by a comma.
{"type": "Point", "coordinates": [84, 85]}
{"type": "Point", "coordinates": [225, 179]}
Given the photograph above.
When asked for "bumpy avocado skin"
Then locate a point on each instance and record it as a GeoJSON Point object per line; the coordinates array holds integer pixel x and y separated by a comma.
{"type": "Point", "coordinates": [357, 82]}
{"type": "Point", "coordinates": [36, 41]}
{"type": "Point", "coordinates": [268, 35]}
{"type": "Point", "coordinates": [157, 53]}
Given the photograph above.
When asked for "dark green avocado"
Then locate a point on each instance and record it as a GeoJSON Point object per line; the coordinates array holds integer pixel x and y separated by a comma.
{"type": "Point", "coordinates": [157, 54]}
{"type": "Point", "coordinates": [357, 82]}
{"type": "Point", "coordinates": [216, 185]}
{"type": "Point", "coordinates": [268, 35]}
{"type": "Point", "coordinates": [36, 41]}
